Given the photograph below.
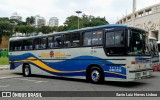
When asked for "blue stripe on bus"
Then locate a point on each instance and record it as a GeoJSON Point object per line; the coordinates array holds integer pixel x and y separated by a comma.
{"type": "Point", "coordinates": [74, 65]}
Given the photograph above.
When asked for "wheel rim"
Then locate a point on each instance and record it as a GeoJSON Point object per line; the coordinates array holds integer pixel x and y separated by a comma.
{"type": "Point", "coordinates": [26, 71]}
{"type": "Point", "coordinates": [95, 75]}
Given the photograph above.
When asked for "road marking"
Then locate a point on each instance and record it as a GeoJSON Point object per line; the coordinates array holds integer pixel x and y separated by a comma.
{"type": "Point", "coordinates": [5, 86]}
{"type": "Point", "coordinates": [7, 77]}
{"type": "Point", "coordinates": [40, 81]}
{"type": "Point", "coordinates": [35, 81]}
{"type": "Point", "coordinates": [25, 79]}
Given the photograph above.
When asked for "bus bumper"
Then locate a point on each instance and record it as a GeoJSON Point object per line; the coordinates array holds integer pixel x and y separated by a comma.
{"type": "Point", "coordinates": [139, 74]}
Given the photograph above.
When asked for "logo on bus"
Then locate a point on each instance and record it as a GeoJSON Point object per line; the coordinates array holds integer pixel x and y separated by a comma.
{"type": "Point", "coordinates": [51, 54]}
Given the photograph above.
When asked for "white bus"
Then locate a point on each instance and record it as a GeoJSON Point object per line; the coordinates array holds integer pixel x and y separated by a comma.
{"type": "Point", "coordinates": [108, 52]}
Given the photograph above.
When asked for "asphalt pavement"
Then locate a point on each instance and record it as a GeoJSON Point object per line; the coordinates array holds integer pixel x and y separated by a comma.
{"type": "Point", "coordinates": [11, 81]}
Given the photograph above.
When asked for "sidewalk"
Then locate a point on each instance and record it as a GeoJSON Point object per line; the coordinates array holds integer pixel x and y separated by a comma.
{"type": "Point", "coordinates": [4, 67]}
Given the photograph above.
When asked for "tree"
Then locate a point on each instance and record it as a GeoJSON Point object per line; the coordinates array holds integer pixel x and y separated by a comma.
{"type": "Point", "coordinates": [85, 21]}
{"type": "Point", "coordinates": [4, 19]}
{"type": "Point", "coordinates": [25, 29]}
{"type": "Point", "coordinates": [6, 28]}
{"type": "Point", "coordinates": [71, 22]}
{"type": "Point", "coordinates": [17, 22]}
{"type": "Point", "coordinates": [30, 20]}
{"type": "Point", "coordinates": [45, 29]}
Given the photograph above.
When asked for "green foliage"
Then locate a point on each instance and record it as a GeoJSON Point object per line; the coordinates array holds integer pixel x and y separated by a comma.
{"type": "Point", "coordinates": [17, 22]}
{"type": "Point", "coordinates": [4, 61]}
{"type": "Point", "coordinates": [4, 19]}
{"type": "Point", "coordinates": [84, 21]}
{"type": "Point", "coordinates": [71, 22]}
{"type": "Point", "coordinates": [4, 53]}
{"type": "Point", "coordinates": [30, 20]}
{"type": "Point", "coordinates": [24, 29]}
{"type": "Point", "coordinates": [6, 28]}
{"type": "Point", "coordinates": [45, 29]}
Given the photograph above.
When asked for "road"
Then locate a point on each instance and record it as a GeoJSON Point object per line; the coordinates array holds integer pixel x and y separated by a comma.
{"type": "Point", "coordinates": [16, 82]}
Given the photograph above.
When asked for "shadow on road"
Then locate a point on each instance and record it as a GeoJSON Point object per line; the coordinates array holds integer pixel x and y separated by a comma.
{"type": "Point", "coordinates": [124, 84]}
{"type": "Point", "coordinates": [109, 83]}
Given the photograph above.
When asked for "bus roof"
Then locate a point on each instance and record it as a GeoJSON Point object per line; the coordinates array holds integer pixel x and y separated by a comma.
{"type": "Point", "coordinates": [94, 27]}
{"type": "Point", "coordinates": [82, 29]}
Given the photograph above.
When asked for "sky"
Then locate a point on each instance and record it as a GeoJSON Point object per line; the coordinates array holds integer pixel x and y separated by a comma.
{"type": "Point", "coordinates": [110, 9]}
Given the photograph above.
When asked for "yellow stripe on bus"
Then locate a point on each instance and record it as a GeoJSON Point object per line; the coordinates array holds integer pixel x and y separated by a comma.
{"type": "Point", "coordinates": [41, 64]}
{"type": "Point", "coordinates": [44, 66]}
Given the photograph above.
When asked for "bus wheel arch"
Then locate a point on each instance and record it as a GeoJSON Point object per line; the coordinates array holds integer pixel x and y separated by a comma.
{"type": "Point", "coordinates": [97, 70]}
{"type": "Point", "coordinates": [26, 70]}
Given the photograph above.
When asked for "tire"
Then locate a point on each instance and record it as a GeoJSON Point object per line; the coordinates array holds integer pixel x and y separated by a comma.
{"type": "Point", "coordinates": [95, 75]}
{"type": "Point", "coordinates": [26, 70]}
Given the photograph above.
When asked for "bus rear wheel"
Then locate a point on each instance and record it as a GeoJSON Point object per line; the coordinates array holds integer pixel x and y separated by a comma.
{"type": "Point", "coordinates": [26, 70]}
{"type": "Point", "coordinates": [95, 75]}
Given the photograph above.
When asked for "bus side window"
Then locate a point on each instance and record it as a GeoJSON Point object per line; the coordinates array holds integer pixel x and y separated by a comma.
{"type": "Point", "coordinates": [38, 43]}
{"type": "Point", "coordinates": [110, 39]}
{"type": "Point", "coordinates": [28, 44]}
{"type": "Point", "coordinates": [43, 43]}
{"type": "Point", "coordinates": [97, 38]}
{"type": "Point", "coordinates": [67, 40]}
{"type": "Point", "coordinates": [115, 43]}
{"type": "Point", "coordinates": [87, 36]}
{"type": "Point", "coordinates": [18, 45]}
{"type": "Point", "coordinates": [75, 39]}
{"type": "Point", "coordinates": [50, 42]}
{"type": "Point", "coordinates": [58, 41]}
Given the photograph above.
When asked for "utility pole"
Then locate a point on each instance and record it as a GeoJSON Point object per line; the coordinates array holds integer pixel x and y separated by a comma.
{"type": "Point", "coordinates": [78, 12]}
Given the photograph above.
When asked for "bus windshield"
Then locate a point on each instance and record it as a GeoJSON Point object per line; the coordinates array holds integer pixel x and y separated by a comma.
{"type": "Point", "coordinates": [136, 42]}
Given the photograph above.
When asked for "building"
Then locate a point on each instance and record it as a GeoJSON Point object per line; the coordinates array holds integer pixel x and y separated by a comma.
{"type": "Point", "coordinates": [39, 21]}
{"type": "Point", "coordinates": [53, 21]}
{"type": "Point", "coordinates": [147, 18]}
{"type": "Point", "coordinates": [16, 16]}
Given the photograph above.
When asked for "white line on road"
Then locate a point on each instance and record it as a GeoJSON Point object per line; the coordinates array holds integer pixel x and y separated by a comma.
{"type": "Point", "coordinates": [25, 79]}
{"type": "Point", "coordinates": [5, 86]}
{"type": "Point", "coordinates": [40, 81]}
{"type": "Point", "coordinates": [35, 81]}
{"type": "Point", "coordinates": [7, 77]}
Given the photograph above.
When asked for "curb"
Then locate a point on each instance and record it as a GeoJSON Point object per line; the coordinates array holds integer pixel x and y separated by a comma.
{"type": "Point", "coordinates": [4, 67]}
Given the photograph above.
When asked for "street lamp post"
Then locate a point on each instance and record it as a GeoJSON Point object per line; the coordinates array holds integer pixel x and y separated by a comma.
{"type": "Point", "coordinates": [78, 12]}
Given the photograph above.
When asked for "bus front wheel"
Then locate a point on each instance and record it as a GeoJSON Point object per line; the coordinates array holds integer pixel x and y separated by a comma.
{"type": "Point", "coordinates": [95, 75]}
{"type": "Point", "coordinates": [26, 70]}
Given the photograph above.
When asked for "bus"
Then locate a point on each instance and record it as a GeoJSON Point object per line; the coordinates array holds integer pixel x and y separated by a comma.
{"type": "Point", "coordinates": [154, 53]}
{"type": "Point", "coordinates": [158, 45]}
{"type": "Point", "coordinates": [100, 53]}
